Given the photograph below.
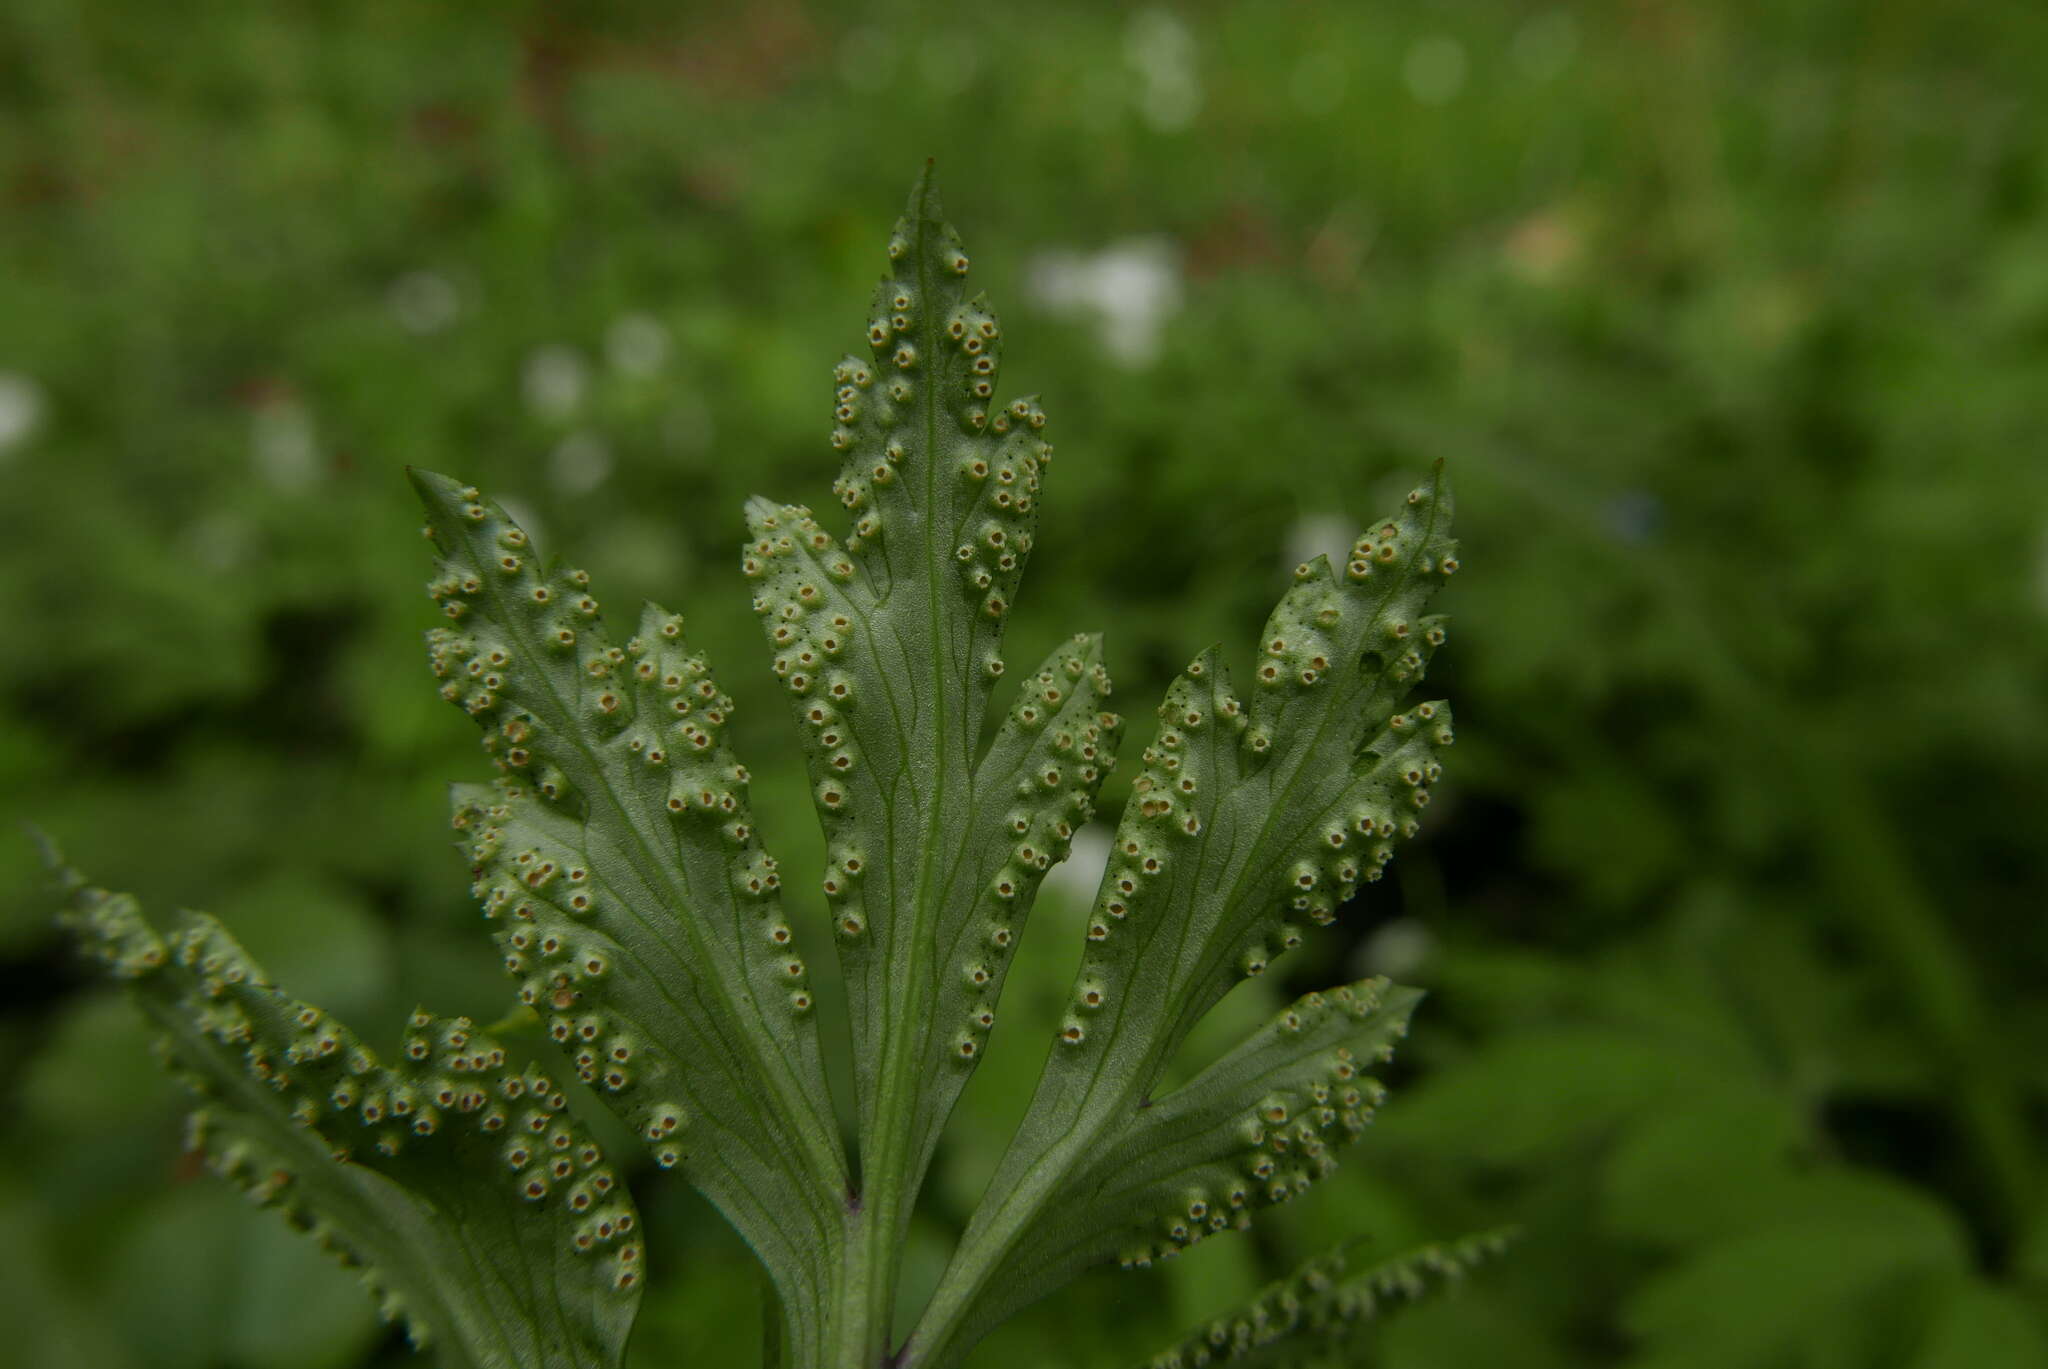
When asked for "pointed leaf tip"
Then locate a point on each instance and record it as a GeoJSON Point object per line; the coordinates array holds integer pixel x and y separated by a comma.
{"type": "Point", "coordinates": [924, 195]}
{"type": "Point", "coordinates": [426, 483]}
{"type": "Point", "coordinates": [66, 879]}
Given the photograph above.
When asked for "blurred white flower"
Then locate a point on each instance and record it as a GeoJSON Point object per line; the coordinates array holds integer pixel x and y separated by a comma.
{"type": "Point", "coordinates": [580, 463]}
{"type": "Point", "coordinates": [1077, 877]}
{"type": "Point", "coordinates": [283, 448]}
{"type": "Point", "coordinates": [423, 302]}
{"type": "Point", "coordinates": [554, 381]}
{"type": "Point", "coordinates": [21, 411]}
{"type": "Point", "coordinates": [637, 344]}
{"type": "Point", "coordinates": [1434, 69]}
{"type": "Point", "coordinates": [1398, 949]}
{"type": "Point", "coordinates": [1319, 534]}
{"type": "Point", "coordinates": [1160, 50]}
{"type": "Point", "coordinates": [1131, 288]}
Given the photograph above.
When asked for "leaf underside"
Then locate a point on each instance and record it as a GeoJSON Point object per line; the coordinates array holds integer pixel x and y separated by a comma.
{"type": "Point", "coordinates": [1253, 1130]}
{"type": "Point", "coordinates": [475, 1207]}
{"type": "Point", "coordinates": [617, 861]}
{"type": "Point", "coordinates": [618, 835]}
{"type": "Point", "coordinates": [890, 647]}
{"type": "Point", "coordinates": [615, 858]}
{"type": "Point", "coordinates": [1318, 1312]}
{"type": "Point", "coordinates": [1253, 818]}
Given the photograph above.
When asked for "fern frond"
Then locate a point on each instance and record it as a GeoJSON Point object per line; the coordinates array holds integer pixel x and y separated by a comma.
{"type": "Point", "coordinates": [890, 647]}
{"type": "Point", "coordinates": [637, 912]}
{"type": "Point", "coordinates": [630, 894]}
{"type": "Point", "coordinates": [1253, 1130]}
{"type": "Point", "coordinates": [477, 1209]}
{"type": "Point", "coordinates": [1311, 1316]}
{"type": "Point", "coordinates": [1251, 821]}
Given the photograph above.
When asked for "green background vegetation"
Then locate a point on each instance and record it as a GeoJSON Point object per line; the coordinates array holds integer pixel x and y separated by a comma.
{"type": "Point", "coordinates": [1730, 320]}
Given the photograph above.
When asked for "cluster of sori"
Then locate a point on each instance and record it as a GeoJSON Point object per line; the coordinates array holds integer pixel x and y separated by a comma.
{"type": "Point", "coordinates": [534, 882]}
{"type": "Point", "coordinates": [811, 623]}
{"type": "Point", "coordinates": [1278, 1310]}
{"type": "Point", "coordinates": [1313, 1095]}
{"type": "Point", "coordinates": [1319, 874]}
{"type": "Point", "coordinates": [1255, 817]}
{"type": "Point", "coordinates": [617, 864]}
{"type": "Point", "coordinates": [570, 720]}
{"type": "Point", "coordinates": [1362, 632]}
{"type": "Point", "coordinates": [1164, 812]}
{"type": "Point", "coordinates": [1322, 1304]}
{"type": "Point", "coordinates": [1389, 786]}
{"type": "Point", "coordinates": [1045, 766]}
{"type": "Point", "coordinates": [296, 1109]}
{"type": "Point", "coordinates": [1044, 769]}
{"type": "Point", "coordinates": [1325, 684]}
{"type": "Point", "coordinates": [934, 350]}
{"type": "Point", "coordinates": [943, 485]}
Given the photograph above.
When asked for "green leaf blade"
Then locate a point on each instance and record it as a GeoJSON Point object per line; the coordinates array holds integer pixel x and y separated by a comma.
{"type": "Point", "coordinates": [889, 644]}
{"type": "Point", "coordinates": [1315, 1314]}
{"type": "Point", "coordinates": [628, 889]}
{"type": "Point", "coordinates": [1253, 1130]}
{"type": "Point", "coordinates": [1252, 818]}
{"type": "Point", "coordinates": [478, 1210]}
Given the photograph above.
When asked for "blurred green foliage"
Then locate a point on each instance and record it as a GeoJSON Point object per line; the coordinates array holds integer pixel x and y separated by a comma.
{"type": "Point", "coordinates": [1731, 321]}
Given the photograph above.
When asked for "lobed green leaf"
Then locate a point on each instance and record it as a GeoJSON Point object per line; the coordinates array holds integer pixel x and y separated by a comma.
{"type": "Point", "coordinates": [889, 646]}
{"type": "Point", "coordinates": [1250, 820]}
{"type": "Point", "coordinates": [617, 861]}
{"type": "Point", "coordinates": [615, 858]}
{"type": "Point", "coordinates": [1315, 1314]}
{"type": "Point", "coordinates": [1253, 1130]}
{"type": "Point", "coordinates": [478, 1210]}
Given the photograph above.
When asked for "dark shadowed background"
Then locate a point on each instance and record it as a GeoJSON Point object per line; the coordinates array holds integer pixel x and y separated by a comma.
{"type": "Point", "coordinates": [1729, 320]}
